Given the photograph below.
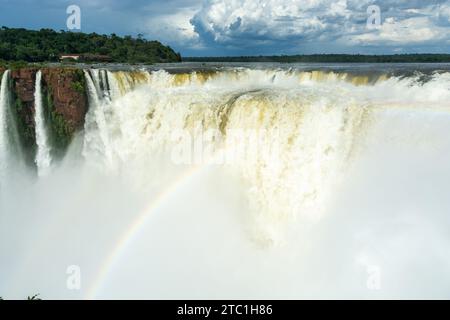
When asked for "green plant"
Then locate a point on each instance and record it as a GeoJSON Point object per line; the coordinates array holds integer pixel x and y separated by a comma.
{"type": "Point", "coordinates": [78, 87]}
{"type": "Point", "coordinates": [59, 130]}
{"type": "Point", "coordinates": [18, 44]}
{"type": "Point", "coordinates": [15, 65]}
{"type": "Point", "coordinates": [26, 133]}
{"type": "Point", "coordinates": [68, 61]}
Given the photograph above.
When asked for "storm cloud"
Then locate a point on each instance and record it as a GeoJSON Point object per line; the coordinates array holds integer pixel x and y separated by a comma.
{"type": "Point", "coordinates": [235, 27]}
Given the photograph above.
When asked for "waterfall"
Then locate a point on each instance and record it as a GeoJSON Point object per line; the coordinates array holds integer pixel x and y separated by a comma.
{"type": "Point", "coordinates": [43, 157]}
{"type": "Point", "coordinates": [104, 88]}
{"type": "Point", "coordinates": [11, 153]}
{"type": "Point", "coordinates": [4, 139]}
{"type": "Point", "coordinates": [306, 179]}
{"type": "Point", "coordinates": [124, 82]}
{"type": "Point", "coordinates": [96, 139]}
{"type": "Point", "coordinates": [100, 80]}
{"type": "Point", "coordinates": [289, 135]}
{"type": "Point", "coordinates": [294, 145]}
{"type": "Point", "coordinates": [113, 85]}
{"type": "Point", "coordinates": [109, 85]}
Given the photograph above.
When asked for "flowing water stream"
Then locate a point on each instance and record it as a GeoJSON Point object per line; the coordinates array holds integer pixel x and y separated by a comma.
{"type": "Point", "coordinates": [240, 183]}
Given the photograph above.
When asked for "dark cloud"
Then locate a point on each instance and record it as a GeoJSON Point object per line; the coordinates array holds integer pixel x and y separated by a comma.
{"type": "Point", "coordinates": [212, 27]}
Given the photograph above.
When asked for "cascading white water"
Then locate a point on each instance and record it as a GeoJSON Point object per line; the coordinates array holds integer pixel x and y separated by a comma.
{"type": "Point", "coordinates": [11, 153]}
{"type": "Point", "coordinates": [245, 184]}
{"type": "Point", "coordinates": [101, 81]}
{"type": "Point", "coordinates": [308, 131]}
{"type": "Point", "coordinates": [104, 87]}
{"type": "Point", "coordinates": [43, 158]}
{"type": "Point", "coordinates": [4, 140]}
{"type": "Point", "coordinates": [96, 139]}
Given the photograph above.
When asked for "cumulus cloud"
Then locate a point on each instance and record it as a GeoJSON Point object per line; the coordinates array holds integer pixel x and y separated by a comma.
{"type": "Point", "coordinates": [211, 27]}
{"type": "Point", "coordinates": [295, 24]}
{"type": "Point", "coordinates": [238, 22]}
{"type": "Point", "coordinates": [174, 28]}
{"type": "Point", "coordinates": [406, 32]}
{"type": "Point", "coordinates": [411, 26]}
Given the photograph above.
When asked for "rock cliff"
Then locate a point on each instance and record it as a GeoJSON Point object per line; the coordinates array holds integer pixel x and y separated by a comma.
{"type": "Point", "coordinates": [65, 102]}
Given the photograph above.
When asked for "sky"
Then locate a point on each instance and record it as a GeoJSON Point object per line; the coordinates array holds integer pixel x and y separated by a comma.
{"type": "Point", "coordinates": [254, 27]}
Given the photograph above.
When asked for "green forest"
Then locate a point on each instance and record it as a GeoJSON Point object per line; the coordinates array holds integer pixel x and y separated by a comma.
{"type": "Point", "coordinates": [331, 58]}
{"type": "Point", "coordinates": [46, 45]}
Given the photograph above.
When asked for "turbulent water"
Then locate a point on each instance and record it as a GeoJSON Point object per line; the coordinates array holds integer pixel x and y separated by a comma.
{"type": "Point", "coordinates": [4, 110]}
{"type": "Point", "coordinates": [10, 149]}
{"type": "Point", "coordinates": [43, 157]}
{"type": "Point", "coordinates": [242, 182]}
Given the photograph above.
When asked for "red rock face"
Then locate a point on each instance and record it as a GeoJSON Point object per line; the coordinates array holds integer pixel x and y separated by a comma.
{"type": "Point", "coordinates": [68, 102]}
{"type": "Point", "coordinates": [23, 87]}
{"type": "Point", "coordinates": [24, 80]}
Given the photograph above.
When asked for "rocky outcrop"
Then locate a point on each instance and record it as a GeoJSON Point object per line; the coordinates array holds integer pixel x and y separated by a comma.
{"type": "Point", "coordinates": [24, 80]}
{"type": "Point", "coordinates": [65, 102]}
{"type": "Point", "coordinates": [66, 87]}
{"type": "Point", "coordinates": [22, 89]}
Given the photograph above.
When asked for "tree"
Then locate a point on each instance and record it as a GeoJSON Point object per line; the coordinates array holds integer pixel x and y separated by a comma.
{"type": "Point", "coordinates": [46, 45]}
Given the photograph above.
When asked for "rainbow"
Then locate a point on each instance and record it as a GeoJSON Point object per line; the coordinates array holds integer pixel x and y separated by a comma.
{"type": "Point", "coordinates": [133, 230]}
